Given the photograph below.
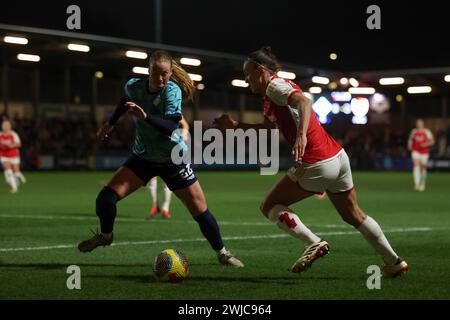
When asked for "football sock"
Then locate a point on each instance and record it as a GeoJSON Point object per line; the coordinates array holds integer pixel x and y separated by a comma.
{"type": "Point", "coordinates": [167, 197]}
{"type": "Point", "coordinates": [17, 180]}
{"type": "Point", "coordinates": [416, 174]}
{"type": "Point", "coordinates": [210, 229]}
{"type": "Point", "coordinates": [288, 221]}
{"type": "Point", "coordinates": [423, 177]}
{"type": "Point", "coordinates": [371, 230]}
{"type": "Point", "coordinates": [107, 236]}
{"type": "Point", "coordinates": [152, 186]}
{"type": "Point", "coordinates": [19, 176]}
{"type": "Point", "coordinates": [106, 209]}
{"type": "Point", "coordinates": [11, 179]}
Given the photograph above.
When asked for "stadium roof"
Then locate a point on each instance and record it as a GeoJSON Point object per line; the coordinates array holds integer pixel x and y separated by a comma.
{"type": "Point", "coordinates": [218, 69]}
{"type": "Point", "coordinates": [412, 34]}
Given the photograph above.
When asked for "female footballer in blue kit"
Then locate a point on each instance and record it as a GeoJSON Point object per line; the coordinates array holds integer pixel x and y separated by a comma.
{"type": "Point", "coordinates": [156, 104]}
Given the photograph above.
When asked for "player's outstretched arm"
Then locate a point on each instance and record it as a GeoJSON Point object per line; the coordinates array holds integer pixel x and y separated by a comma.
{"type": "Point", "coordinates": [104, 130]}
{"type": "Point", "coordinates": [108, 126]}
{"type": "Point", "coordinates": [120, 110]}
{"type": "Point", "coordinates": [226, 122]}
{"type": "Point", "coordinates": [166, 126]}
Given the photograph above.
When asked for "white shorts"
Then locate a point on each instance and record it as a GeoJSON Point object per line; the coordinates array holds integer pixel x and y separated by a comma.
{"type": "Point", "coordinates": [15, 160]}
{"type": "Point", "coordinates": [333, 175]}
{"type": "Point", "coordinates": [422, 157]}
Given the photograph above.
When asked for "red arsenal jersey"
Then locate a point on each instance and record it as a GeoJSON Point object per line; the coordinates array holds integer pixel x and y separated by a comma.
{"type": "Point", "coordinates": [320, 145]}
{"type": "Point", "coordinates": [419, 139]}
{"type": "Point", "coordinates": [10, 138]}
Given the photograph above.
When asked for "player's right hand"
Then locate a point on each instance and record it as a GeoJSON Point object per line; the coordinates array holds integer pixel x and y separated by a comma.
{"type": "Point", "coordinates": [298, 150]}
{"type": "Point", "coordinates": [224, 122]}
{"type": "Point", "coordinates": [103, 132]}
{"type": "Point", "coordinates": [136, 110]}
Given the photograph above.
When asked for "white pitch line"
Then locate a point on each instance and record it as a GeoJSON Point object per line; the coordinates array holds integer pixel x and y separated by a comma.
{"type": "Point", "coordinates": [271, 236]}
{"type": "Point", "coordinates": [125, 219]}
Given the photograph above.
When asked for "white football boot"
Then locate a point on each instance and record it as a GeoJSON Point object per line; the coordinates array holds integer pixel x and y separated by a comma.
{"type": "Point", "coordinates": [395, 270]}
{"type": "Point", "coordinates": [311, 253]}
{"type": "Point", "coordinates": [227, 258]}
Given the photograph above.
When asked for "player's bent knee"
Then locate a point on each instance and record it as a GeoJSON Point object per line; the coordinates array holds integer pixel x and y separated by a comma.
{"type": "Point", "coordinates": [200, 207]}
{"type": "Point", "coordinates": [361, 217]}
{"type": "Point", "coordinates": [271, 210]}
{"type": "Point", "coordinates": [7, 166]}
{"type": "Point", "coordinates": [196, 206]}
{"type": "Point", "coordinates": [265, 207]}
{"type": "Point", "coordinates": [353, 216]}
{"type": "Point", "coordinates": [351, 220]}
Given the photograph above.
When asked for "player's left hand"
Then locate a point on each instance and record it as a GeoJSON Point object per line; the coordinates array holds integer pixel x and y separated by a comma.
{"type": "Point", "coordinates": [136, 110]}
{"type": "Point", "coordinates": [224, 122]}
{"type": "Point", "coordinates": [298, 150]}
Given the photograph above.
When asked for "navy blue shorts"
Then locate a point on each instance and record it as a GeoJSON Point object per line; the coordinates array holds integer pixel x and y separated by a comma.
{"type": "Point", "coordinates": [175, 176]}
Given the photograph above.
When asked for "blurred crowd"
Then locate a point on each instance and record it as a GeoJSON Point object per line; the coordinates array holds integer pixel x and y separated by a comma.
{"type": "Point", "coordinates": [76, 138]}
{"type": "Point", "coordinates": [367, 144]}
{"type": "Point", "coordinates": [67, 138]}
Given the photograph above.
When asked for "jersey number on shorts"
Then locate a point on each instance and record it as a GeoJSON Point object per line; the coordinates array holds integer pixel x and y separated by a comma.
{"type": "Point", "coordinates": [187, 172]}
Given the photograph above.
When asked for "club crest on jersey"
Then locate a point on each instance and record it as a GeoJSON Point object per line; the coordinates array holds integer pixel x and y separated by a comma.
{"type": "Point", "coordinates": [157, 101]}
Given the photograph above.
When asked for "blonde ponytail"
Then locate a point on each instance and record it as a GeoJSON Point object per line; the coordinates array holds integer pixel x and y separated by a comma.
{"type": "Point", "coordinates": [181, 78]}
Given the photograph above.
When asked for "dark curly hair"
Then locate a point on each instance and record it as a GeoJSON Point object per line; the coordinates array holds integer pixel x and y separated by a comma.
{"type": "Point", "coordinates": [265, 57]}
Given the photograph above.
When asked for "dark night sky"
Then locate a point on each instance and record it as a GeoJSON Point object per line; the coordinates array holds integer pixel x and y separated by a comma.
{"type": "Point", "coordinates": [305, 32]}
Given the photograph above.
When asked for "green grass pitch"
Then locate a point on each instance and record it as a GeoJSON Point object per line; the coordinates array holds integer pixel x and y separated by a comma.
{"type": "Point", "coordinates": [42, 224]}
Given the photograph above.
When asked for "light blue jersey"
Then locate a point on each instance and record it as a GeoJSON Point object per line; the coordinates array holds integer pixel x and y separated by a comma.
{"type": "Point", "coordinates": [150, 143]}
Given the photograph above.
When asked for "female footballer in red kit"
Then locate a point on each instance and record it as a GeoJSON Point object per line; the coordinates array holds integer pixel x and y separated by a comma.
{"type": "Point", "coordinates": [322, 165]}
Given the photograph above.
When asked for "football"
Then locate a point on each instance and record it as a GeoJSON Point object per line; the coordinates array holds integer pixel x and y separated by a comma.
{"type": "Point", "coordinates": [170, 266]}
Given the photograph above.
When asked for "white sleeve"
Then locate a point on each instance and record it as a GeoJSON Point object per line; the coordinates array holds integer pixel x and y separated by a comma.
{"type": "Point", "coordinates": [279, 91]}
{"type": "Point", "coordinates": [16, 137]}
{"type": "Point", "coordinates": [429, 134]}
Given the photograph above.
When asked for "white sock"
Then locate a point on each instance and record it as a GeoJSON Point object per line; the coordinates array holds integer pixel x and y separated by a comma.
{"type": "Point", "coordinates": [167, 197]}
{"type": "Point", "coordinates": [423, 177]}
{"type": "Point", "coordinates": [11, 179]}
{"type": "Point", "coordinates": [417, 175]}
{"type": "Point", "coordinates": [371, 230]}
{"type": "Point", "coordinates": [221, 251]}
{"type": "Point", "coordinates": [17, 179]}
{"type": "Point", "coordinates": [290, 222]}
{"type": "Point", "coordinates": [153, 187]}
{"type": "Point", "coordinates": [20, 177]}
